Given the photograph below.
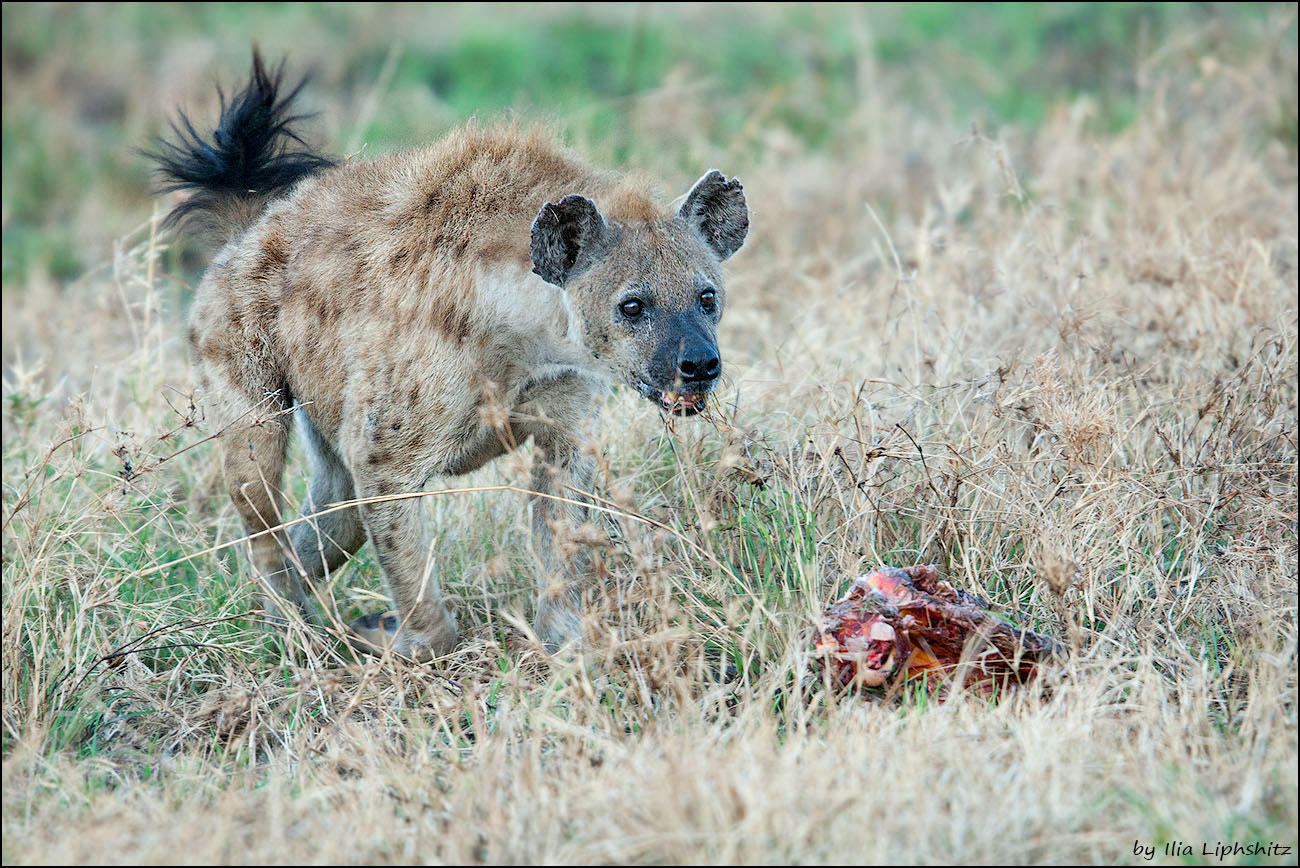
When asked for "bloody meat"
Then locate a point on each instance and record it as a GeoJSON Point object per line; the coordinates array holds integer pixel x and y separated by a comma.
{"type": "Point", "coordinates": [896, 624]}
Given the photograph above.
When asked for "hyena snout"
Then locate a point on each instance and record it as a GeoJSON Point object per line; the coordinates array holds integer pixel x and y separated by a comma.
{"type": "Point", "coordinates": [683, 372]}
{"type": "Point", "coordinates": [698, 363]}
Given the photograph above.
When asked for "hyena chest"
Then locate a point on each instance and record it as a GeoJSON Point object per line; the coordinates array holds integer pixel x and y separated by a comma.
{"type": "Point", "coordinates": [548, 406]}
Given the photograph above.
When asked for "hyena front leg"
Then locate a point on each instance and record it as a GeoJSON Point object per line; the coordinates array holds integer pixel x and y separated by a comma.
{"type": "Point", "coordinates": [560, 474]}
{"type": "Point", "coordinates": [422, 625]}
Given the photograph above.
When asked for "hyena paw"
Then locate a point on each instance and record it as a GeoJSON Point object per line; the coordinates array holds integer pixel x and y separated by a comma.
{"type": "Point", "coordinates": [559, 627]}
{"type": "Point", "coordinates": [382, 632]}
{"type": "Point", "coordinates": [375, 633]}
{"type": "Point", "coordinates": [427, 644]}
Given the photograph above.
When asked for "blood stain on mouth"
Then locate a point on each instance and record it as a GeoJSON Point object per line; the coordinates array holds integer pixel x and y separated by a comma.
{"type": "Point", "coordinates": [674, 401]}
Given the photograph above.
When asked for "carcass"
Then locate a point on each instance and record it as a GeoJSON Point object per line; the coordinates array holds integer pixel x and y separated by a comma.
{"type": "Point", "coordinates": [899, 624]}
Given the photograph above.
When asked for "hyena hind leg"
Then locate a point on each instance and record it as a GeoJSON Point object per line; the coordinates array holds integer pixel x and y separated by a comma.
{"type": "Point", "coordinates": [253, 451]}
{"type": "Point", "coordinates": [325, 542]}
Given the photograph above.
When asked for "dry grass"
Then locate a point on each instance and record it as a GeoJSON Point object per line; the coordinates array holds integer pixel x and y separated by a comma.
{"type": "Point", "coordinates": [1059, 362]}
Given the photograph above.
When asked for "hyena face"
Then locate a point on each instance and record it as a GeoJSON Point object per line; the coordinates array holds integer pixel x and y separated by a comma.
{"type": "Point", "coordinates": [649, 294]}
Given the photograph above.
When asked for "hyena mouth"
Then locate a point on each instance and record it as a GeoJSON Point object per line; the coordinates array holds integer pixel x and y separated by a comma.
{"type": "Point", "coordinates": [674, 403]}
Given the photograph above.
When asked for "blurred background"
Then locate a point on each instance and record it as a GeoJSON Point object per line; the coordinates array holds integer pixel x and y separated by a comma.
{"type": "Point", "coordinates": [633, 85]}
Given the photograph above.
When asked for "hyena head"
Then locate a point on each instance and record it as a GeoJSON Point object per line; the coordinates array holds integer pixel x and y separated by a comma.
{"type": "Point", "coordinates": [649, 293]}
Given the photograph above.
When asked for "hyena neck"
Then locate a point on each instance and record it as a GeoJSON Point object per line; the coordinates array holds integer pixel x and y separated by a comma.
{"type": "Point", "coordinates": [542, 326]}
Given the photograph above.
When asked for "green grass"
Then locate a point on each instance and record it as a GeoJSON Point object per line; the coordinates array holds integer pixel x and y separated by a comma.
{"type": "Point", "coordinates": [807, 65]}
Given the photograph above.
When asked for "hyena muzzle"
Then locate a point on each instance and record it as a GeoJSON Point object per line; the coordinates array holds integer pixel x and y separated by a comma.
{"type": "Point", "coordinates": [421, 314]}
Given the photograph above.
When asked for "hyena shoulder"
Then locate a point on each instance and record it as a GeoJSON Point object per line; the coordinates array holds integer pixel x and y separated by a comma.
{"type": "Point", "coordinates": [468, 199]}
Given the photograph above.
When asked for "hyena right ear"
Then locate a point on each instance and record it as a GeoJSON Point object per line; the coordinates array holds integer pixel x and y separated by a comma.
{"type": "Point", "coordinates": [715, 208]}
{"type": "Point", "coordinates": [566, 236]}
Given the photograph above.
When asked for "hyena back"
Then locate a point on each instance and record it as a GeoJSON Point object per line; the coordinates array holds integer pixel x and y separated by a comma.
{"type": "Point", "coordinates": [422, 314]}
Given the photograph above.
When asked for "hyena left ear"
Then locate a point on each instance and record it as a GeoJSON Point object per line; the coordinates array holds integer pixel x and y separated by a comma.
{"type": "Point", "coordinates": [567, 235]}
{"type": "Point", "coordinates": [715, 208]}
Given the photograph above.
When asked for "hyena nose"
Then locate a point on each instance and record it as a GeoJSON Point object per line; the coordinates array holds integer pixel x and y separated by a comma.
{"type": "Point", "coordinates": [700, 366]}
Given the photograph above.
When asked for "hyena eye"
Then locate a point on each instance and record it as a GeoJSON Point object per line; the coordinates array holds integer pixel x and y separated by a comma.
{"type": "Point", "coordinates": [708, 300]}
{"type": "Point", "coordinates": [632, 308]}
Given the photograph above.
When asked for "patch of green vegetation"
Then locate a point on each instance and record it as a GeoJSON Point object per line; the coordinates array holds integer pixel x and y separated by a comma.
{"type": "Point", "coordinates": [772, 537]}
{"type": "Point", "coordinates": [803, 64]}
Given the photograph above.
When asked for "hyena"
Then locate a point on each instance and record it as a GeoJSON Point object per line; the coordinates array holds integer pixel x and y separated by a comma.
{"type": "Point", "coordinates": [420, 314]}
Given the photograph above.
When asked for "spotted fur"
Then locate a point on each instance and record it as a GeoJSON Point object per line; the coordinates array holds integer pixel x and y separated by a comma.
{"type": "Point", "coordinates": [426, 312]}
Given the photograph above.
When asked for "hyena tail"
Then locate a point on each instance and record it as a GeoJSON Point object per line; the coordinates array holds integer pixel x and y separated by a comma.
{"type": "Point", "coordinates": [252, 156]}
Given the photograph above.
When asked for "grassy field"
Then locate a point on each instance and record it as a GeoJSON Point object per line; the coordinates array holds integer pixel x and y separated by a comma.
{"type": "Point", "coordinates": [1019, 299]}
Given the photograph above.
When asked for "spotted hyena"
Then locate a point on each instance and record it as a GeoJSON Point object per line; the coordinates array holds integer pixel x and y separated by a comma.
{"type": "Point", "coordinates": [421, 314]}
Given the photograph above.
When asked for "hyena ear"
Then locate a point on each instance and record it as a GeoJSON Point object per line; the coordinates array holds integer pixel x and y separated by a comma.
{"type": "Point", "coordinates": [715, 208]}
{"type": "Point", "coordinates": [566, 237]}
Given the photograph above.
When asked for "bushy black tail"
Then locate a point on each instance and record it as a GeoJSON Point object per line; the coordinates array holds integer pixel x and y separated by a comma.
{"type": "Point", "coordinates": [251, 156]}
